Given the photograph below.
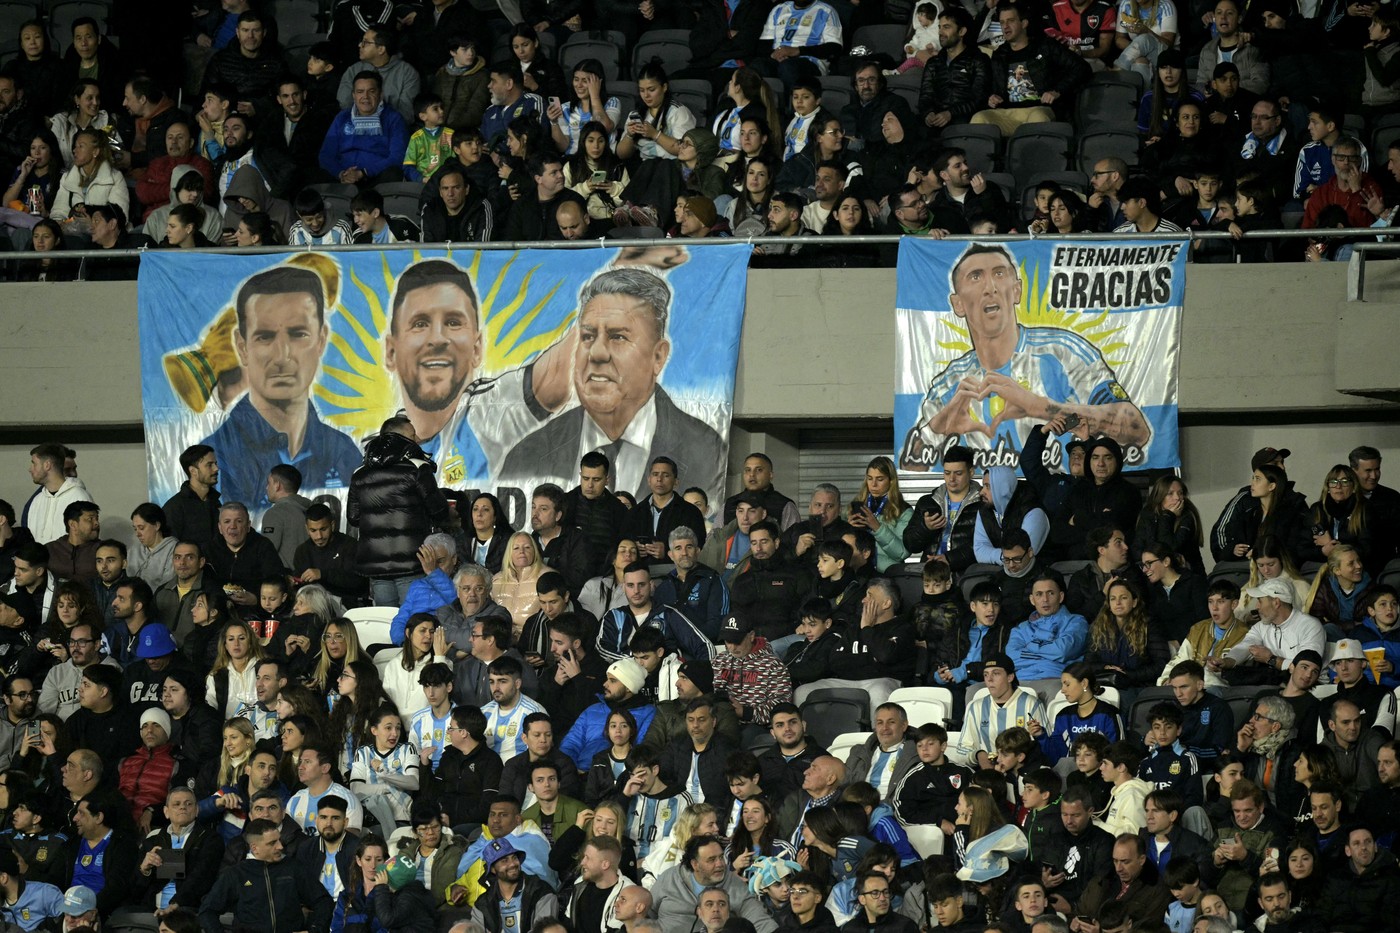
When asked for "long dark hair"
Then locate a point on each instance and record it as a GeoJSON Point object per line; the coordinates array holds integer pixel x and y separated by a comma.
{"type": "Point", "coordinates": [743, 841]}
{"type": "Point", "coordinates": [832, 227]}
{"type": "Point", "coordinates": [579, 167]}
{"type": "Point", "coordinates": [502, 527]}
{"type": "Point", "coordinates": [653, 71]}
{"type": "Point", "coordinates": [593, 67]}
{"type": "Point", "coordinates": [351, 719]}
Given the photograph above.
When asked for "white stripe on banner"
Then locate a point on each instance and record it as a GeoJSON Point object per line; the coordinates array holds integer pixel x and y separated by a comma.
{"type": "Point", "coordinates": [1085, 329]}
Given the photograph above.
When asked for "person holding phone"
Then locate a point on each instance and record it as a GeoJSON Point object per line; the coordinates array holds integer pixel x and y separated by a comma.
{"type": "Point", "coordinates": [588, 103]}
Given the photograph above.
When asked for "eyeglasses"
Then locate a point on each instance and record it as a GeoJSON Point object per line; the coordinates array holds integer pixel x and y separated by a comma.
{"type": "Point", "coordinates": [332, 637]}
{"type": "Point", "coordinates": [1346, 158]}
{"type": "Point", "coordinates": [1258, 715]}
{"type": "Point", "coordinates": [1105, 171]}
{"type": "Point", "coordinates": [801, 892]}
{"type": "Point", "coordinates": [875, 892]}
{"type": "Point", "coordinates": [81, 641]}
{"type": "Point", "coordinates": [1011, 560]}
{"type": "Point", "coordinates": [1147, 564]}
{"type": "Point", "coordinates": [23, 694]}
{"type": "Point", "coordinates": [1334, 483]}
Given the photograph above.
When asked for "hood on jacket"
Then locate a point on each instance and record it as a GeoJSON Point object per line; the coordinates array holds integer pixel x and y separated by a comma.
{"type": "Point", "coordinates": [1001, 485]}
{"type": "Point", "coordinates": [1108, 444]}
{"type": "Point", "coordinates": [248, 183]}
{"type": "Point", "coordinates": [180, 171]}
{"type": "Point", "coordinates": [388, 448]}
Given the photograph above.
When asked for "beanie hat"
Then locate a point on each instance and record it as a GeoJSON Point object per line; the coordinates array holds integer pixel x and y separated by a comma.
{"type": "Point", "coordinates": [630, 673]}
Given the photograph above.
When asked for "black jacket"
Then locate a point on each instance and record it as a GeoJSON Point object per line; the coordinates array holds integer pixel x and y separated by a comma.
{"type": "Point", "coordinates": [811, 660]}
{"type": "Point", "coordinates": [960, 86]}
{"type": "Point", "coordinates": [395, 502]}
{"type": "Point", "coordinates": [718, 36]}
{"type": "Point", "coordinates": [884, 650]}
{"type": "Point", "coordinates": [118, 869]}
{"type": "Point", "coordinates": [460, 783]}
{"type": "Point", "coordinates": [190, 518]}
{"type": "Point", "coordinates": [488, 903]}
{"type": "Point", "coordinates": [599, 521]}
{"type": "Point", "coordinates": [676, 762]}
{"type": "Point", "coordinates": [919, 540]}
{"type": "Point", "coordinates": [1116, 504]}
{"type": "Point", "coordinates": [473, 224]}
{"type": "Point", "coordinates": [770, 593]}
{"type": "Point", "coordinates": [336, 564]}
{"type": "Point", "coordinates": [254, 562]}
{"type": "Point", "coordinates": [677, 512]}
{"type": "Point", "coordinates": [569, 554]}
{"type": "Point", "coordinates": [1052, 67]}
{"type": "Point", "coordinates": [204, 852]}
{"type": "Point", "coordinates": [1242, 521]}
{"type": "Point", "coordinates": [269, 897]}
{"type": "Point", "coordinates": [255, 79]}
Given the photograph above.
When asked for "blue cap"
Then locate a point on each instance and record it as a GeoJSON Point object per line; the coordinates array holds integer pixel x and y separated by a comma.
{"type": "Point", "coordinates": [154, 641]}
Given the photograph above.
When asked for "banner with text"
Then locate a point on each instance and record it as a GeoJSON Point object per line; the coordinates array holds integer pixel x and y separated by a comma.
{"type": "Point", "coordinates": [511, 365]}
{"type": "Point", "coordinates": [996, 339]}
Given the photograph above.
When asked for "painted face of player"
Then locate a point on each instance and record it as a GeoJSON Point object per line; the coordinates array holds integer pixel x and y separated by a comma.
{"type": "Point", "coordinates": [434, 345]}
{"type": "Point", "coordinates": [986, 293]}
{"type": "Point", "coordinates": [280, 344]}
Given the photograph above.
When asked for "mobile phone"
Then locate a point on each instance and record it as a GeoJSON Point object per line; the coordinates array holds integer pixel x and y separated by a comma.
{"type": "Point", "coordinates": [32, 730]}
{"type": "Point", "coordinates": [554, 102]}
{"type": "Point", "coordinates": [1072, 421]}
{"type": "Point", "coordinates": [599, 177]}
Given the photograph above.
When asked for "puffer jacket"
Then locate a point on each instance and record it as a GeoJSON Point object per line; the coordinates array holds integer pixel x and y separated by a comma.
{"type": "Point", "coordinates": [919, 540]}
{"type": "Point", "coordinates": [960, 86]}
{"type": "Point", "coordinates": [395, 502]}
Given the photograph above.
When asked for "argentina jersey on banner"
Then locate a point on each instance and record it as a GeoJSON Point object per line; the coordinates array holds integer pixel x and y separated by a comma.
{"type": "Point", "coordinates": [996, 339]}
{"type": "Point", "coordinates": [510, 364]}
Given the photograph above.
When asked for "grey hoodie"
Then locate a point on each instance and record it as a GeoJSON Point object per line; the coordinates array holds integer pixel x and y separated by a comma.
{"type": "Point", "coordinates": [155, 224]}
{"type": "Point", "coordinates": [284, 524]}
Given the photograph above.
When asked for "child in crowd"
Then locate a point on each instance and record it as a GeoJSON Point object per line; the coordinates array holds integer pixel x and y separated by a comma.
{"type": "Point", "coordinates": [939, 620]}
{"type": "Point", "coordinates": [461, 83]}
{"type": "Point", "coordinates": [1039, 814]}
{"type": "Point", "coordinates": [1382, 607]}
{"type": "Point", "coordinates": [986, 635]}
{"type": "Point", "coordinates": [385, 773]}
{"type": "Point", "coordinates": [219, 100]}
{"type": "Point", "coordinates": [835, 581]}
{"type": "Point", "coordinates": [1126, 813]}
{"type": "Point", "coordinates": [321, 80]}
{"type": "Point", "coordinates": [923, 38]}
{"type": "Point", "coordinates": [1213, 636]}
{"type": "Point", "coordinates": [431, 144]}
{"type": "Point", "coordinates": [928, 793]}
{"type": "Point", "coordinates": [1168, 764]}
{"type": "Point", "coordinates": [312, 227]}
{"type": "Point", "coordinates": [806, 104]}
{"type": "Point", "coordinates": [810, 659]}
{"type": "Point", "coordinates": [275, 605]}
{"type": "Point", "coordinates": [882, 825]}
{"type": "Point", "coordinates": [1017, 754]}
{"type": "Point", "coordinates": [1088, 750]}
{"type": "Point", "coordinates": [1183, 879]}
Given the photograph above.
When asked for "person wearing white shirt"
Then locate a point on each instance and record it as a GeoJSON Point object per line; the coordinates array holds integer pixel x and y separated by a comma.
{"type": "Point", "coordinates": [314, 772]}
{"type": "Point", "coordinates": [1283, 630]}
{"type": "Point", "coordinates": [505, 714]}
{"type": "Point", "coordinates": [43, 514]}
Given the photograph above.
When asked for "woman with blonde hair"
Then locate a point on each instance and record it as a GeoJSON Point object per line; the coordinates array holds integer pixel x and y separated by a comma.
{"type": "Point", "coordinates": [340, 645]}
{"type": "Point", "coordinates": [514, 586]}
{"type": "Point", "coordinates": [239, 740]}
{"type": "Point", "coordinates": [1338, 594]}
{"type": "Point", "coordinates": [698, 819]}
{"type": "Point", "coordinates": [1339, 517]}
{"type": "Point", "coordinates": [232, 683]}
{"type": "Point", "coordinates": [1270, 559]}
{"type": "Point", "coordinates": [880, 509]}
{"type": "Point", "coordinates": [603, 593]}
{"type": "Point", "coordinates": [608, 818]}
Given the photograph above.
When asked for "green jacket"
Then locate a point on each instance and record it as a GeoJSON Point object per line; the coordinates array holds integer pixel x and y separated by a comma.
{"type": "Point", "coordinates": [565, 815]}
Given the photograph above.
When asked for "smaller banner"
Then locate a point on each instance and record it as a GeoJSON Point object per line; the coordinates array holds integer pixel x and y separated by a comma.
{"type": "Point", "coordinates": [996, 339]}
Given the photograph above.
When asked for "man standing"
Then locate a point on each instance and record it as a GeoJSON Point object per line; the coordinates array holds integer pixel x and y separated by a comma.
{"type": "Point", "coordinates": [702, 865]}
{"type": "Point", "coordinates": [758, 481]}
{"type": "Point", "coordinates": [692, 587]}
{"type": "Point", "coordinates": [1029, 74]}
{"type": "Point", "coordinates": [1381, 501]}
{"type": "Point", "coordinates": [658, 516]}
{"type": "Point", "coordinates": [395, 502]}
{"type": "Point", "coordinates": [591, 508]}
{"type": "Point", "coordinates": [43, 514]}
{"type": "Point", "coordinates": [562, 548]}
{"type": "Point", "coordinates": [194, 510]}
{"type": "Point", "coordinates": [265, 891]}
{"type": "Point", "coordinates": [74, 556]}
{"type": "Point", "coordinates": [295, 128]}
{"type": "Point", "coordinates": [327, 557]}
{"type": "Point", "coordinates": [280, 336]}
{"type": "Point", "coordinates": [955, 84]}
{"type": "Point", "coordinates": [617, 384]}
{"type": "Point", "coordinates": [284, 523]}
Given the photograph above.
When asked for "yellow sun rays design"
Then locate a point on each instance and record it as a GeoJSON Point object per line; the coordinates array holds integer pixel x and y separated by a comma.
{"type": "Point", "coordinates": [1036, 310]}
{"type": "Point", "coordinates": [361, 393]}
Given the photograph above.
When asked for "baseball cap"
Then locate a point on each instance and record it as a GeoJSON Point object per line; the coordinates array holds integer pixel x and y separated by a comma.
{"type": "Point", "coordinates": [24, 607]}
{"type": "Point", "coordinates": [1226, 68]}
{"type": "Point", "coordinates": [733, 629]}
{"type": "Point", "coordinates": [1002, 661]}
{"type": "Point", "coordinates": [1274, 589]}
{"type": "Point", "coordinates": [78, 900]}
{"type": "Point", "coordinates": [1268, 455]}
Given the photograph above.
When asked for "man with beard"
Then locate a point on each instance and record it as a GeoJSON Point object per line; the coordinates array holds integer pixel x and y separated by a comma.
{"type": "Point", "coordinates": [20, 703]}
{"type": "Point", "coordinates": [60, 691]}
{"type": "Point", "coordinates": [766, 586]}
{"type": "Point", "coordinates": [512, 899]}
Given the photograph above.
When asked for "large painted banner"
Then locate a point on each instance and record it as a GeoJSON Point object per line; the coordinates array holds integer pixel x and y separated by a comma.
{"type": "Point", "coordinates": [511, 365]}
{"type": "Point", "coordinates": [996, 339]}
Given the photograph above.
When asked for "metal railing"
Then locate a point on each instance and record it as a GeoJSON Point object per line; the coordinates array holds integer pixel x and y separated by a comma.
{"type": "Point", "coordinates": [809, 241]}
{"type": "Point", "coordinates": [1356, 266]}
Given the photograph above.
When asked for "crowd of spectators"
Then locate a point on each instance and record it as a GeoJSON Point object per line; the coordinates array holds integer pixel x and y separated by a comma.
{"type": "Point", "coordinates": [605, 720]}
{"type": "Point", "coordinates": [176, 126]}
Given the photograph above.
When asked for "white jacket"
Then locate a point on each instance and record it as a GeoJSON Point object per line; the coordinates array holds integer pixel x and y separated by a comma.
{"type": "Point", "coordinates": [402, 686]}
{"type": "Point", "coordinates": [106, 187]}
{"type": "Point", "coordinates": [44, 514]}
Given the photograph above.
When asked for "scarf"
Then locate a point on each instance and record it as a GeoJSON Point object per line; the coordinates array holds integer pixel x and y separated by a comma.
{"type": "Point", "coordinates": [1252, 143]}
{"type": "Point", "coordinates": [368, 125]}
{"type": "Point", "coordinates": [1269, 745]}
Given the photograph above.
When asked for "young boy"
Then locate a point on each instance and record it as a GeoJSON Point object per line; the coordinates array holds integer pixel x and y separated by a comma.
{"type": "Point", "coordinates": [1017, 754]}
{"type": "Point", "coordinates": [806, 101]}
{"type": "Point", "coordinates": [1183, 879]}
{"type": "Point", "coordinates": [1088, 751]}
{"type": "Point", "coordinates": [928, 793]}
{"type": "Point", "coordinates": [653, 807]}
{"type": "Point", "coordinates": [1229, 772]}
{"type": "Point", "coordinates": [1314, 167]}
{"type": "Point", "coordinates": [1213, 636]}
{"type": "Point", "coordinates": [372, 225]}
{"type": "Point", "coordinates": [431, 144]}
{"type": "Point", "coordinates": [1168, 764]}
{"type": "Point", "coordinates": [321, 80]}
{"type": "Point", "coordinates": [1207, 184]}
{"type": "Point", "coordinates": [219, 100]}
{"type": "Point", "coordinates": [1125, 806]}
{"type": "Point", "coordinates": [1030, 902]}
{"type": "Point", "coordinates": [810, 659]}
{"type": "Point", "coordinates": [945, 897]}
{"type": "Point", "coordinates": [1228, 105]}
{"type": "Point", "coordinates": [883, 826]}
{"type": "Point", "coordinates": [1379, 631]}
{"type": "Point", "coordinates": [939, 620]}
{"type": "Point", "coordinates": [312, 226]}
{"type": "Point", "coordinates": [275, 605]}
{"type": "Point", "coordinates": [1039, 813]}
{"type": "Point", "coordinates": [745, 777]}
{"type": "Point", "coordinates": [428, 727]}
{"type": "Point", "coordinates": [837, 583]}
{"type": "Point", "coordinates": [985, 604]}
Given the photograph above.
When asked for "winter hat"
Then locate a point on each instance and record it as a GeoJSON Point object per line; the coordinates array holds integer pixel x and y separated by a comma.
{"type": "Point", "coordinates": [703, 209]}
{"type": "Point", "coordinates": [158, 716]}
{"type": "Point", "coordinates": [706, 145]}
{"type": "Point", "coordinates": [700, 673]}
{"type": "Point", "coordinates": [630, 673]}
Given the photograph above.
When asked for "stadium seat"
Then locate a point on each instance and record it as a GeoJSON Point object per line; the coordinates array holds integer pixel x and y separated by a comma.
{"type": "Point", "coordinates": [911, 97]}
{"type": "Point", "coordinates": [1107, 106]}
{"type": "Point", "coordinates": [976, 574]}
{"type": "Point", "coordinates": [299, 16]}
{"type": "Point", "coordinates": [780, 97]}
{"type": "Point", "coordinates": [1148, 697]}
{"type": "Point", "coordinates": [1130, 78]}
{"type": "Point", "coordinates": [1006, 182]}
{"type": "Point", "coordinates": [841, 746]}
{"type": "Point", "coordinates": [1068, 568]}
{"type": "Point", "coordinates": [666, 35]}
{"type": "Point", "coordinates": [976, 694]}
{"type": "Point", "coordinates": [833, 710]}
{"type": "Point", "coordinates": [334, 189]}
{"type": "Point", "coordinates": [1097, 146]}
{"type": "Point", "coordinates": [924, 704]}
{"type": "Point", "coordinates": [1236, 571]}
{"type": "Point", "coordinates": [883, 39]}
{"type": "Point", "coordinates": [636, 233]}
{"type": "Point", "coordinates": [927, 840]}
{"type": "Point", "coordinates": [760, 743]}
{"type": "Point", "coordinates": [576, 50]}
{"type": "Point", "coordinates": [674, 55]}
{"type": "Point", "coordinates": [1390, 576]}
{"type": "Point", "coordinates": [298, 47]}
{"type": "Point", "coordinates": [372, 623]}
{"type": "Point", "coordinates": [834, 98]}
{"type": "Point", "coordinates": [61, 18]}
{"type": "Point", "coordinates": [696, 94]}
{"type": "Point", "coordinates": [401, 198]}
{"type": "Point", "coordinates": [909, 578]}
{"type": "Point", "coordinates": [982, 150]}
{"type": "Point", "coordinates": [1242, 700]}
{"type": "Point", "coordinates": [1032, 155]}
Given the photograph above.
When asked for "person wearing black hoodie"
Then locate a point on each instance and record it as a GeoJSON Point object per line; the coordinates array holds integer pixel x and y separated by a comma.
{"type": "Point", "coordinates": [395, 502]}
{"type": "Point", "coordinates": [1102, 497]}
